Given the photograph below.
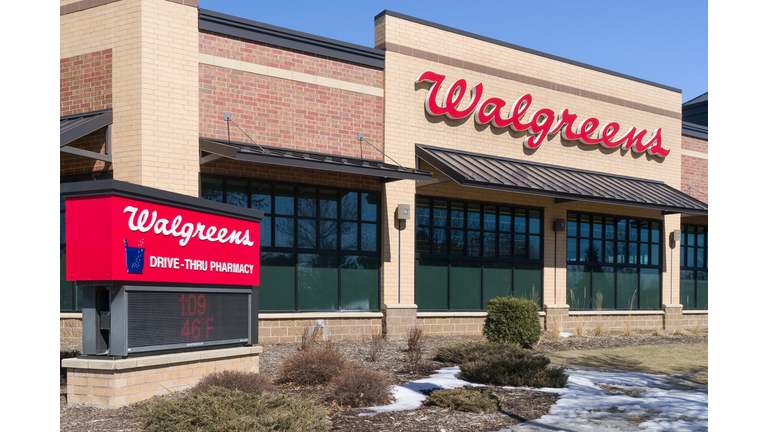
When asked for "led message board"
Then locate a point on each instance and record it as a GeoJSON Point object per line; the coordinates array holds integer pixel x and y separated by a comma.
{"type": "Point", "coordinates": [160, 271]}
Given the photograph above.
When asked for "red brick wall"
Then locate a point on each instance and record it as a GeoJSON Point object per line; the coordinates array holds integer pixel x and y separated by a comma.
{"type": "Point", "coordinates": [695, 174]}
{"type": "Point", "coordinates": [289, 114]}
{"type": "Point", "coordinates": [95, 142]}
{"type": "Point", "coordinates": [695, 170]}
{"type": "Point", "coordinates": [296, 175]}
{"type": "Point", "coordinates": [85, 83]}
{"type": "Point", "coordinates": [272, 56]}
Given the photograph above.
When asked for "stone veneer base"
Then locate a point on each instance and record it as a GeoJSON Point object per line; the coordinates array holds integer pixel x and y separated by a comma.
{"type": "Point", "coordinates": [114, 383]}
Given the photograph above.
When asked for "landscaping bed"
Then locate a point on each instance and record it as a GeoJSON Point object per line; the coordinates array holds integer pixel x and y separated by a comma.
{"type": "Point", "coordinates": [516, 405]}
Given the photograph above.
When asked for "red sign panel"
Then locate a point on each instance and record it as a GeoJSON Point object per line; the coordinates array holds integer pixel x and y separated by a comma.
{"type": "Point", "coordinates": [124, 239]}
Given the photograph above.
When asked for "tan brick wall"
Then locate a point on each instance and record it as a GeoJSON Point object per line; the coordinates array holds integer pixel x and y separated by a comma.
{"type": "Point", "coordinates": [71, 330]}
{"type": "Point", "coordinates": [691, 320]}
{"type": "Point", "coordinates": [399, 320]}
{"type": "Point", "coordinates": [334, 329]}
{"type": "Point", "coordinates": [117, 388]}
{"type": "Point", "coordinates": [453, 326]}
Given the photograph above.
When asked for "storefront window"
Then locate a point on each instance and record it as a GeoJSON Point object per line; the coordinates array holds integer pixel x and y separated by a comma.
{"type": "Point", "coordinates": [694, 262]}
{"type": "Point", "coordinates": [319, 245]}
{"type": "Point", "coordinates": [70, 295]}
{"type": "Point", "coordinates": [613, 262]}
{"type": "Point", "coordinates": [468, 253]}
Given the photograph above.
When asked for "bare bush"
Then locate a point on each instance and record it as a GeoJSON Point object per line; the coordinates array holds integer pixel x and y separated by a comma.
{"type": "Point", "coordinates": [309, 336]}
{"type": "Point", "coordinates": [246, 382]}
{"type": "Point", "coordinates": [415, 347]}
{"type": "Point", "coordinates": [360, 388]}
{"type": "Point", "coordinates": [378, 343]}
{"type": "Point", "coordinates": [312, 367]}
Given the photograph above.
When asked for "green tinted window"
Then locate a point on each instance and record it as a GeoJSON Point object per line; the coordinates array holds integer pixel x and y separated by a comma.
{"type": "Point", "coordinates": [431, 284]}
{"type": "Point", "coordinates": [497, 281]}
{"type": "Point", "coordinates": [465, 285]}
{"type": "Point", "coordinates": [318, 282]}
{"type": "Point", "coordinates": [277, 289]}
{"type": "Point", "coordinates": [359, 283]}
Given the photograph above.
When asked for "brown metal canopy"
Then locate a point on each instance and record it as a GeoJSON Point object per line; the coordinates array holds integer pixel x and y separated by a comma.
{"type": "Point", "coordinates": [562, 183]}
{"type": "Point", "coordinates": [303, 159]}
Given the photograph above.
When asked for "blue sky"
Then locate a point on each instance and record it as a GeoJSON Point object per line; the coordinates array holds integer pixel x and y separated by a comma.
{"type": "Point", "coordinates": [660, 41]}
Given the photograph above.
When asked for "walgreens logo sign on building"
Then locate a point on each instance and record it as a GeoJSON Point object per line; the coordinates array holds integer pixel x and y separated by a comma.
{"type": "Point", "coordinates": [540, 124]}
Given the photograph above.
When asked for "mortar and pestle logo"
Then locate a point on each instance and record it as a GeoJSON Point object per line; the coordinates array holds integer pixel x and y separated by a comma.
{"type": "Point", "coordinates": [134, 258]}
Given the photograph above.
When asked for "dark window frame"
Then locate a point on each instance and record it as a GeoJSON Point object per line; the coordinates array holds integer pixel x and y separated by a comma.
{"type": "Point", "coordinates": [616, 265]}
{"type": "Point", "coordinates": [295, 249]}
{"type": "Point", "coordinates": [497, 231]}
{"type": "Point", "coordinates": [684, 248]}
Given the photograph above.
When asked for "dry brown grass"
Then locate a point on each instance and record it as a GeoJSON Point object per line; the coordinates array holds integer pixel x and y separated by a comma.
{"type": "Point", "coordinates": [556, 329]}
{"type": "Point", "coordinates": [659, 332]}
{"type": "Point", "coordinates": [581, 330]}
{"type": "Point", "coordinates": [678, 359]}
{"type": "Point", "coordinates": [696, 330]}
{"type": "Point", "coordinates": [628, 331]}
{"type": "Point", "coordinates": [600, 328]}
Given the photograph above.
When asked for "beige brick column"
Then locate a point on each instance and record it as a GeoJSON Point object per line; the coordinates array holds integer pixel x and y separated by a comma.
{"type": "Point", "coordinates": [398, 320]}
{"type": "Point", "coordinates": [673, 316]}
{"type": "Point", "coordinates": [554, 289]}
{"type": "Point", "coordinates": [155, 94]}
{"type": "Point", "coordinates": [556, 314]}
{"type": "Point", "coordinates": [670, 281]}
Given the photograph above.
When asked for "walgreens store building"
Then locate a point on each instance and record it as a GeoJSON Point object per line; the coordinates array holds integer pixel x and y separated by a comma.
{"type": "Point", "coordinates": [402, 185]}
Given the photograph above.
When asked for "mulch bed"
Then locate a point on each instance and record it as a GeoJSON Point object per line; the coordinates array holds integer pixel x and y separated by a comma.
{"type": "Point", "coordinates": [517, 405]}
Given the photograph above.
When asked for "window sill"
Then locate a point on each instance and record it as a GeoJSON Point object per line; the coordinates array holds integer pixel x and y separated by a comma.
{"type": "Point", "coordinates": [696, 312]}
{"type": "Point", "coordinates": [618, 312]}
{"type": "Point", "coordinates": [70, 315]}
{"type": "Point", "coordinates": [319, 315]}
{"type": "Point", "coordinates": [449, 314]}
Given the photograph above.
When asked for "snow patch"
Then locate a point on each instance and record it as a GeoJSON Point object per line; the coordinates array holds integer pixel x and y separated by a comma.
{"type": "Point", "coordinates": [633, 401]}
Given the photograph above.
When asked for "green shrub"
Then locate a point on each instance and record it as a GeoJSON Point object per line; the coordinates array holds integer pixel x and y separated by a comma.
{"type": "Point", "coordinates": [465, 399]}
{"type": "Point", "coordinates": [514, 320]}
{"type": "Point", "coordinates": [246, 382]}
{"type": "Point", "coordinates": [518, 370]}
{"type": "Point", "coordinates": [360, 388]}
{"type": "Point", "coordinates": [221, 410]}
{"type": "Point", "coordinates": [473, 351]}
{"type": "Point", "coordinates": [312, 367]}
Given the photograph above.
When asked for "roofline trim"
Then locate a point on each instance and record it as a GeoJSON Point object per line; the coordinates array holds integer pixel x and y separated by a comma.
{"type": "Point", "coordinates": [523, 49]}
{"type": "Point", "coordinates": [265, 33]}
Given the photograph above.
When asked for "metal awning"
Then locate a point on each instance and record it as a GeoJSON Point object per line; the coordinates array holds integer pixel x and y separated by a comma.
{"type": "Point", "coordinates": [303, 159]}
{"type": "Point", "coordinates": [562, 183]}
{"type": "Point", "coordinates": [77, 126]}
